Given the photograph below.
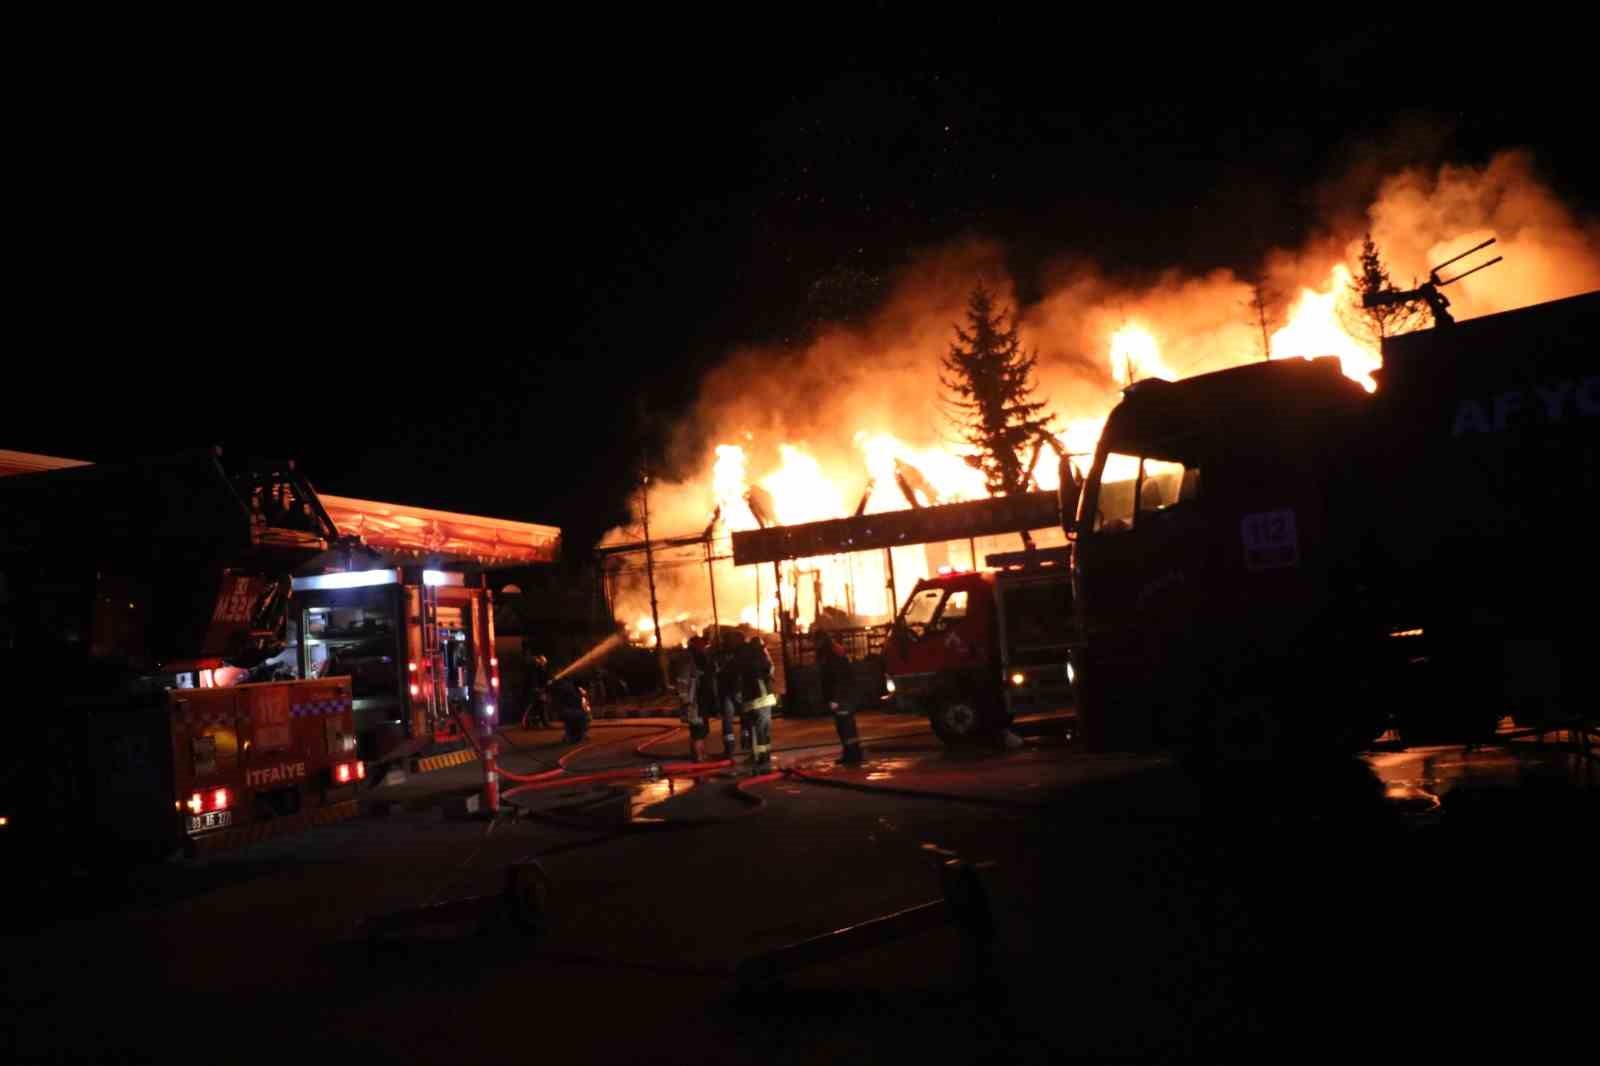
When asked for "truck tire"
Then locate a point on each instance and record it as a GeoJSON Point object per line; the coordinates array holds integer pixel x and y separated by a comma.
{"type": "Point", "coordinates": [960, 719]}
{"type": "Point", "coordinates": [1092, 720]}
{"type": "Point", "coordinates": [1110, 718]}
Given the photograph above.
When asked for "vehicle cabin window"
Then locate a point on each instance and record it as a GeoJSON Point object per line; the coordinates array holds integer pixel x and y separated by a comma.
{"type": "Point", "coordinates": [920, 608]}
{"type": "Point", "coordinates": [1114, 508]}
{"type": "Point", "coordinates": [1038, 613]}
{"type": "Point", "coordinates": [1134, 487]}
{"type": "Point", "coordinates": [955, 608]}
{"type": "Point", "coordinates": [1162, 484]}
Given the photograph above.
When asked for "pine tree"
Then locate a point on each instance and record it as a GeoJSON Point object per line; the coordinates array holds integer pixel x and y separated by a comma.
{"type": "Point", "coordinates": [1372, 324]}
{"type": "Point", "coordinates": [988, 383]}
{"type": "Point", "coordinates": [1260, 300]}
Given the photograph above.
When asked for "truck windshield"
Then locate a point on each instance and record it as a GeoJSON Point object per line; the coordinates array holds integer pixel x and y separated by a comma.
{"type": "Point", "coordinates": [920, 607]}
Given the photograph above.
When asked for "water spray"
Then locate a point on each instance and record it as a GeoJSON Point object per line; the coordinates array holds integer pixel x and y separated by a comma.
{"type": "Point", "coordinates": [592, 655]}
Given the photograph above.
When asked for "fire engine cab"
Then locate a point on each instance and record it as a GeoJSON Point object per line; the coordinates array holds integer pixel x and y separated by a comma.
{"type": "Point", "coordinates": [974, 649]}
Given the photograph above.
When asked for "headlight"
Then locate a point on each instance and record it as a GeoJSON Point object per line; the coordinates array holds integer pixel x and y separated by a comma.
{"type": "Point", "coordinates": [888, 684]}
{"type": "Point", "coordinates": [1017, 679]}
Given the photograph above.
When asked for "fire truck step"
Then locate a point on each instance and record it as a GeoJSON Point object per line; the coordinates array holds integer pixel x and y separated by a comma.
{"type": "Point", "coordinates": [442, 762]}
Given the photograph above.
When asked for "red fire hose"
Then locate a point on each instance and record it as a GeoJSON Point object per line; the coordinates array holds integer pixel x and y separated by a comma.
{"type": "Point", "coordinates": [561, 777]}
{"type": "Point", "coordinates": [544, 782]}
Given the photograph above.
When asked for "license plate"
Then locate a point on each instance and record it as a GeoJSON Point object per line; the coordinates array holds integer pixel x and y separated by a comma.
{"type": "Point", "coordinates": [200, 823]}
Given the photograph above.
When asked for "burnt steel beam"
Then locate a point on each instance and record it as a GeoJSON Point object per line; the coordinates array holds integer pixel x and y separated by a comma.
{"type": "Point", "coordinates": [924, 525]}
{"type": "Point", "coordinates": [633, 547]}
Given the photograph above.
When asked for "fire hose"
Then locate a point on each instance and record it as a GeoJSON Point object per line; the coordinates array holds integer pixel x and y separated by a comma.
{"type": "Point", "coordinates": [562, 777]}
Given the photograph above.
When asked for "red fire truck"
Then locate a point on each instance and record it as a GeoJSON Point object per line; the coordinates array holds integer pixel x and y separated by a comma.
{"type": "Point", "coordinates": [973, 649]}
{"type": "Point", "coordinates": [134, 599]}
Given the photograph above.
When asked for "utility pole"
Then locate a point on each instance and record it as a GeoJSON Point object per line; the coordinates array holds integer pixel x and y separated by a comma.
{"type": "Point", "coordinates": [888, 575]}
{"type": "Point", "coordinates": [711, 579]}
{"type": "Point", "coordinates": [650, 576]}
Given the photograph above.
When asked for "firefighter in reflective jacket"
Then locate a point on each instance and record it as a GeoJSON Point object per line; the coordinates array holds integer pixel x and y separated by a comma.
{"type": "Point", "coordinates": [755, 681]}
{"type": "Point", "coordinates": [834, 668]}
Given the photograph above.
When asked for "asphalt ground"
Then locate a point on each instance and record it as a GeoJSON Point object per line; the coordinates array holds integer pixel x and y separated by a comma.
{"type": "Point", "coordinates": [1419, 903]}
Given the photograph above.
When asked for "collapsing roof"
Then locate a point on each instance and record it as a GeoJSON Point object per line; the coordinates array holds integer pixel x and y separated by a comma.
{"type": "Point", "coordinates": [419, 532]}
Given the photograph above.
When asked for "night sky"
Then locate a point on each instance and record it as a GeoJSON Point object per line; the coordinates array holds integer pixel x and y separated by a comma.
{"type": "Point", "coordinates": [493, 309]}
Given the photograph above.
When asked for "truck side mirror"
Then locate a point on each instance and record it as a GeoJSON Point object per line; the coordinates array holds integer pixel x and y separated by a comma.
{"type": "Point", "coordinates": [1068, 492]}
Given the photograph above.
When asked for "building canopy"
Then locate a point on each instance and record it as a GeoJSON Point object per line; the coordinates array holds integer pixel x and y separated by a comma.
{"type": "Point", "coordinates": [442, 536]}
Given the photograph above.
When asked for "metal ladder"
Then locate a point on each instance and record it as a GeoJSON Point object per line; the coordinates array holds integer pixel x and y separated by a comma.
{"type": "Point", "coordinates": [438, 701]}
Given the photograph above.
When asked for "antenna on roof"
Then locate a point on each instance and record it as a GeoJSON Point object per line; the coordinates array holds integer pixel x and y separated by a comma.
{"type": "Point", "coordinates": [1428, 291]}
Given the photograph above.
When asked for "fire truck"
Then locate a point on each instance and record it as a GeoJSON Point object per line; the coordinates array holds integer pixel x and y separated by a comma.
{"type": "Point", "coordinates": [1268, 558]}
{"type": "Point", "coordinates": [974, 649]}
{"type": "Point", "coordinates": [139, 603]}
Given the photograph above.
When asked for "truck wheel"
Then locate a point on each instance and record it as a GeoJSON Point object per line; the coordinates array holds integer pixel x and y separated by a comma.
{"type": "Point", "coordinates": [1092, 725]}
{"type": "Point", "coordinates": [1109, 719]}
{"type": "Point", "coordinates": [959, 719]}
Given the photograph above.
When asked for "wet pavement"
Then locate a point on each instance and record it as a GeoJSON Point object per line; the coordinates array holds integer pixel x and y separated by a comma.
{"type": "Point", "coordinates": [1424, 902]}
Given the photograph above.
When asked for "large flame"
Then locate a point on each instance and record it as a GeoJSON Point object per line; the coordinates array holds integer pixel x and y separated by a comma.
{"type": "Point", "coordinates": [800, 490]}
{"type": "Point", "coordinates": [1135, 355]}
{"type": "Point", "coordinates": [1316, 327]}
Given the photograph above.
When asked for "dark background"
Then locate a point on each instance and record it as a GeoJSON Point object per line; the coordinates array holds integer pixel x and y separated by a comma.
{"type": "Point", "coordinates": [497, 305]}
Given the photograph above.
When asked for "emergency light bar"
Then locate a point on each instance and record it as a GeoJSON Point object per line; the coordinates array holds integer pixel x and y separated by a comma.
{"type": "Point", "coordinates": [355, 579]}
{"type": "Point", "coordinates": [1029, 559]}
{"type": "Point", "coordinates": [363, 579]}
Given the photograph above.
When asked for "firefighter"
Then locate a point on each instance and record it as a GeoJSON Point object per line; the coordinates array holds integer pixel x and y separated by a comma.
{"type": "Point", "coordinates": [755, 678]}
{"type": "Point", "coordinates": [572, 707]}
{"type": "Point", "coordinates": [699, 697]}
{"type": "Point", "coordinates": [537, 672]}
{"type": "Point", "coordinates": [834, 668]}
{"type": "Point", "coordinates": [727, 673]}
